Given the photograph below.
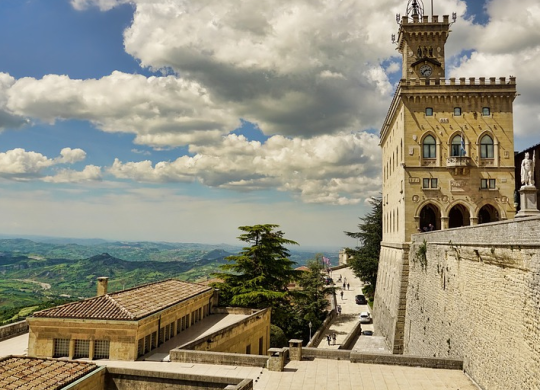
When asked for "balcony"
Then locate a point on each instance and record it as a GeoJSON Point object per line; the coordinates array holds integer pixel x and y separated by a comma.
{"type": "Point", "coordinates": [457, 162]}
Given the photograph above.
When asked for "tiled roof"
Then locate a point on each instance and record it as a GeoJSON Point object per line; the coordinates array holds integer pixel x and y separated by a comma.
{"type": "Point", "coordinates": [132, 304]}
{"type": "Point", "coordinates": [24, 373]}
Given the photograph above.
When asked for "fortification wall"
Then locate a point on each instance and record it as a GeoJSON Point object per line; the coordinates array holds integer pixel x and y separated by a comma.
{"type": "Point", "coordinates": [474, 294]}
{"type": "Point", "coordinates": [390, 295]}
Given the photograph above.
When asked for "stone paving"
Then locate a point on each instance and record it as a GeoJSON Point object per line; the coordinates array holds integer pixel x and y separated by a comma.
{"type": "Point", "coordinates": [345, 322]}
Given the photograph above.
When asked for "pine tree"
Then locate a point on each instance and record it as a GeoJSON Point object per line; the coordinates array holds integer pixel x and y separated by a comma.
{"type": "Point", "coordinates": [259, 275]}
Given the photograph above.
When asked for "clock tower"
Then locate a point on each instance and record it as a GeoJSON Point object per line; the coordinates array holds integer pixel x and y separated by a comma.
{"type": "Point", "coordinates": [447, 158]}
{"type": "Point", "coordinates": [421, 43]}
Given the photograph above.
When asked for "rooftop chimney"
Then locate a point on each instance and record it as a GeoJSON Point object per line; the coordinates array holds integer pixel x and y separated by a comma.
{"type": "Point", "coordinates": [102, 282]}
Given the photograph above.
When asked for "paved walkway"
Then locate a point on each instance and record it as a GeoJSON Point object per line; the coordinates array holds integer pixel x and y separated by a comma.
{"type": "Point", "coordinates": [344, 323]}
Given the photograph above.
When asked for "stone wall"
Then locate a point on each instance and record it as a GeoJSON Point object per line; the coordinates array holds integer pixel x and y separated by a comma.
{"type": "Point", "coordinates": [132, 379]}
{"type": "Point", "coordinates": [219, 358]}
{"type": "Point", "coordinates": [248, 336]}
{"type": "Point", "coordinates": [390, 295]}
{"type": "Point", "coordinates": [12, 330]}
{"type": "Point", "coordinates": [474, 294]}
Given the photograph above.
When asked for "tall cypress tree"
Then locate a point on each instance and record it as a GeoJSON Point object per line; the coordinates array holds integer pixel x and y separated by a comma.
{"type": "Point", "coordinates": [365, 257]}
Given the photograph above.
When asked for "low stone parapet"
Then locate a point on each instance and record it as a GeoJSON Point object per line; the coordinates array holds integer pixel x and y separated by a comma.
{"type": "Point", "coordinates": [13, 330]}
{"type": "Point", "coordinates": [129, 379]}
{"type": "Point", "coordinates": [323, 353]}
{"type": "Point", "coordinates": [405, 360]}
{"type": "Point", "coordinates": [222, 358]}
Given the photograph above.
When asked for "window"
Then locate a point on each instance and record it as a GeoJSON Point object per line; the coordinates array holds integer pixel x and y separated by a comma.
{"type": "Point", "coordinates": [101, 349]}
{"type": "Point", "coordinates": [61, 348]}
{"type": "Point", "coordinates": [486, 111]}
{"type": "Point", "coordinates": [487, 184]}
{"type": "Point", "coordinates": [429, 147]}
{"type": "Point", "coordinates": [457, 111]}
{"type": "Point", "coordinates": [82, 349]}
{"type": "Point", "coordinates": [428, 183]}
{"type": "Point", "coordinates": [486, 147]}
{"type": "Point", "coordinates": [429, 111]}
{"type": "Point", "coordinates": [457, 148]}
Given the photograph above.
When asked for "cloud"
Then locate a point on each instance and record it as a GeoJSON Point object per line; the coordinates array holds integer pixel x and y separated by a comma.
{"type": "Point", "coordinates": [103, 5]}
{"type": "Point", "coordinates": [7, 118]}
{"type": "Point", "coordinates": [498, 53]}
{"type": "Point", "coordinates": [18, 164]}
{"type": "Point", "coordinates": [336, 169]}
{"type": "Point", "coordinates": [89, 173]}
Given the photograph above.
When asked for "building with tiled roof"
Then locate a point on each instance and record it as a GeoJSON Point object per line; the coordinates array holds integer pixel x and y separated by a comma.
{"type": "Point", "coordinates": [120, 326]}
{"type": "Point", "coordinates": [24, 373]}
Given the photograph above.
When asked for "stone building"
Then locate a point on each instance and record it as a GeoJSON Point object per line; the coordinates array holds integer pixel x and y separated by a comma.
{"type": "Point", "coordinates": [128, 324]}
{"type": "Point", "coordinates": [448, 157]}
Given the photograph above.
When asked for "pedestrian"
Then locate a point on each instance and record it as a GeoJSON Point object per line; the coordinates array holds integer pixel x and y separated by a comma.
{"type": "Point", "coordinates": [344, 285]}
{"type": "Point", "coordinates": [348, 286]}
{"type": "Point", "coordinates": [339, 309]}
{"type": "Point", "coordinates": [334, 337]}
{"type": "Point", "coordinates": [341, 294]}
{"type": "Point", "coordinates": [328, 338]}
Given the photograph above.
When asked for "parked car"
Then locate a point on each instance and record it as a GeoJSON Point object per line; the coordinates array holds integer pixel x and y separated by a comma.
{"type": "Point", "coordinates": [360, 300]}
{"type": "Point", "coordinates": [328, 281]}
{"type": "Point", "coordinates": [364, 318]}
{"type": "Point", "coordinates": [367, 333]}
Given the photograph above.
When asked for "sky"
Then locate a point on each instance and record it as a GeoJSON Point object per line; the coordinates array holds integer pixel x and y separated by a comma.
{"type": "Point", "coordinates": [181, 120]}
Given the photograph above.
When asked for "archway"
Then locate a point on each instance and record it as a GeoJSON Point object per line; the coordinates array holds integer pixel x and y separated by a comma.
{"type": "Point", "coordinates": [458, 216]}
{"type": "Point", "coordinates": [430, 215]}
{"type": "Point", "coordinates": [488, 213]}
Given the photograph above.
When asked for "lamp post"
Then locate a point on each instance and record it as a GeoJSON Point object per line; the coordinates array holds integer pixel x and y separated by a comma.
{"type": "Point", "coordinates": [310, 330]}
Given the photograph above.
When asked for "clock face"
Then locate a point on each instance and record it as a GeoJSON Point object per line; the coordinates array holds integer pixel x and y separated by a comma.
{"type": "Point", "coordinates": [426, 70]}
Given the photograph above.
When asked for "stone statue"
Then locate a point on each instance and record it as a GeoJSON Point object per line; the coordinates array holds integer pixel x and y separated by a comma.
{"type": "Point", "coordinates": [527, 171]}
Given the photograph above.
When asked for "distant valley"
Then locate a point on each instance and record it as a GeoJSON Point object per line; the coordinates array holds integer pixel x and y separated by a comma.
{"type": "Point", "coordinates": [35, 274]}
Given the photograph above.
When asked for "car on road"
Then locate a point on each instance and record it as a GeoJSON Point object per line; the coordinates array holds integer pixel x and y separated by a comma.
{"type": "Point", "coordinates": [367, 333]}
{"type": "Point", "coordinates": [360, 300]}
{"type": "Point", "coordinates": [365, 318]}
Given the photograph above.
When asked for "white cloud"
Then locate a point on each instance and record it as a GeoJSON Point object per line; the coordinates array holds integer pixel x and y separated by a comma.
{"type": "Point", "coordinates": [103, 5]}
{"type": "Point", "coordinates": [70, 156]}
{"type": "Point", "coordinates": [18, 164]}
{"type": "Point", "coordinates": [510, 45]}
{"type": "Point", "coordinates": [340, 169]}
{"type": "Point", "coordinates": [161, 111]}
{"type": "Point", "coordinates": [89, 173]}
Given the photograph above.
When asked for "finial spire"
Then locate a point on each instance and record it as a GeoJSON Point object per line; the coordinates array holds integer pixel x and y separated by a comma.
{"type": "Point", "coordinates": [415, 9]}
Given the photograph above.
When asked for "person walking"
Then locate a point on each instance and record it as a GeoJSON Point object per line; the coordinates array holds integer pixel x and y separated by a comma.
{"type": "Point", "coordinates": [334, 337]}
{"type": "Point", "coordinates": [348, 286]}
{"type": "Point", "coordinates": [341, 294]}
{"type": "Point", "coordinates": [328, 338]}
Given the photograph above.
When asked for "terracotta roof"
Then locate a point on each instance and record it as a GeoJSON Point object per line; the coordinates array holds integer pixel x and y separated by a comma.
{"type": "Point", "coordinates": [132, 304]}
{"type": "Point", "coordinates": [24, 373]}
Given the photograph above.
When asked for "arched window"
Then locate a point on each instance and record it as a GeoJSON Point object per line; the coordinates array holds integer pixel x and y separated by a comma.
{"type": "Point", "coordinates": [457, 148]}
{"type": "Point", "coordinates": [486, 147]}
{"type": "Point", "coordinates": [457, 111]}
{"type": "Point", "coordinates": [429, 147]}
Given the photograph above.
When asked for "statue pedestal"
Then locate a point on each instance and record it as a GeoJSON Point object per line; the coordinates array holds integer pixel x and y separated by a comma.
{"type": "Point", "coordinates": [528, 205]}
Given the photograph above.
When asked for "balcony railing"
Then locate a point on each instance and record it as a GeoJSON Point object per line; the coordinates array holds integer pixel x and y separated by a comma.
{"type": "Point", "coordinates": [452, 162]}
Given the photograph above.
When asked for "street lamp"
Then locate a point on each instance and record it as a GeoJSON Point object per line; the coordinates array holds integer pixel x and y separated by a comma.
{"type": "Point", "coordinates": [310, 325]}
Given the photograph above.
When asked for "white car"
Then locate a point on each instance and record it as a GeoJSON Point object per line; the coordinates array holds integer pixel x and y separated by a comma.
{"type": "Point", "coordinates": [364, 318]}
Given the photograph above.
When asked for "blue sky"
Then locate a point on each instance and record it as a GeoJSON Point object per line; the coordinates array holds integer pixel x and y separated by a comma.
{"type": "Point", "coordinates": [152, 120]}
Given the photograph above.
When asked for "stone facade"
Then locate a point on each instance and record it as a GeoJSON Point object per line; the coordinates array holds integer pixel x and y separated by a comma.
{"type": "Point", "coordinates": [448, 159]}
{"type": "Point", "coordinates": [65, 332]}
{"type": "Point", "coordinates": [474, 294]}
{"type": "Point", "coordinates": [249, 336]}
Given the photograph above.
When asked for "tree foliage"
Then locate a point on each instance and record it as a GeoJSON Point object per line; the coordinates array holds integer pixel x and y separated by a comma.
{"type": "Point", "coordinates": [311, 300]}
{"type": "Point", "coordinates": [259, 275]}
{"type": "Point", "coordinates": [365, 257]}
